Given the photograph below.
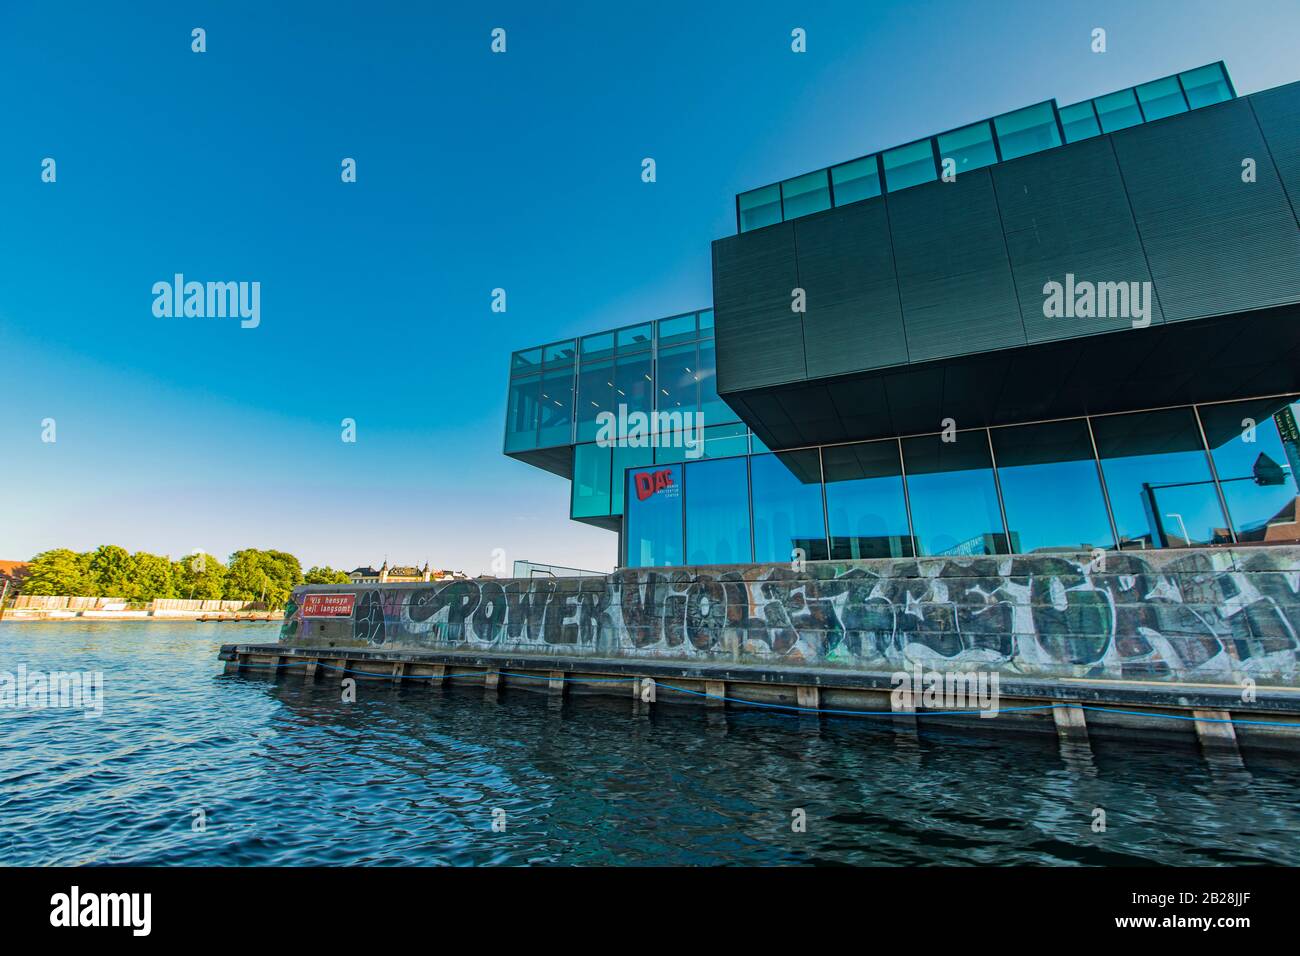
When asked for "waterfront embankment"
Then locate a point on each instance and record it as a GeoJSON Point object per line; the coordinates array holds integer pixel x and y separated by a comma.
{"type": "Point", "coordinates": [36, 607]}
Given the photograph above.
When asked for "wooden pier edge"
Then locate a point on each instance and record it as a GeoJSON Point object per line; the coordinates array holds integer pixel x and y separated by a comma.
{"type": "Point", "coordinates": [1213, 716]}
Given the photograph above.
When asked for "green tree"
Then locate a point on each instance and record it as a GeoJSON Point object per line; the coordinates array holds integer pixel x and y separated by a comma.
{"type": "Point", "coordinates": [59, 571]}
{"type": "Point", "coordinates": [199, 577]}
{"type": "Point", "coordinates": [110, 568]}
{"type": "Point", "coordinates": [262, 576]}
{"type": "Point", "coordinates": [326, 575]}
{"type": "Point", "coordinates": [149, 576]}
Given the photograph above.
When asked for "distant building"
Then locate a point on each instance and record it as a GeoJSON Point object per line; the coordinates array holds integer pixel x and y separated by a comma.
{"type": "Point", "coordinates": [400, 574]}
{"type": "Point", "coordinates": [11, 576]}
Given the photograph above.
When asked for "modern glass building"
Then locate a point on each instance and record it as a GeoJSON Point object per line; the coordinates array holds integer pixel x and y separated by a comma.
{"type": "Point", "coordinates": [1062, 328]}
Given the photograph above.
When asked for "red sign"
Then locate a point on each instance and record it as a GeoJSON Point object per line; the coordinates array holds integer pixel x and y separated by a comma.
{"type": "Point", "coordinates": [648, 482]}
{"type": "Point", "coordinates": [328, 605]}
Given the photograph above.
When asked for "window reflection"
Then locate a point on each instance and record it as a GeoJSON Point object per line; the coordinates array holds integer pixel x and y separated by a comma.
{"type": "Point", "coordinates": [595, 395]}
{"type": "Point", "coordinates": [556, 409]}
{"type": "Point", "coordinates": [521, 414]}
{"type": "Point", "coordinates": [1256, 449]}
{"type": "Point", "coordinates": [954, 498]}
{"type": "Point", "coordinates": [788, 506]}
{"type": "Point", "coordinates": [1050, 487]}
{"type": "Point", "coordinates": [591, 474]}
{"type": "Point", "coordinates": [1158, 478]}
{"type": "Point", "coordinates": [654, 526]}
{"type": "Point", "coordinates": [864, 501]}
{"type": "Point", "coordinates": [717, 512]}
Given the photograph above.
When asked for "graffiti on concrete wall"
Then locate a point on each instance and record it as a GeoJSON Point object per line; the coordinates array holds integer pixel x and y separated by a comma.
{"type": "Point", "coordinates": [1157, 615]}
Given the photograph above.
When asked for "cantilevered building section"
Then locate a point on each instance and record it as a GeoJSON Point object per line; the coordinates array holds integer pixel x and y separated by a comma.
{"type": "Point", "coordinates": [1059, 329]}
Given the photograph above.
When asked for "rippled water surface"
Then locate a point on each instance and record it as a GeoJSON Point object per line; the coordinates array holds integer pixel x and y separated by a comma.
{"type": "Point", "coordinates": [285, 773]}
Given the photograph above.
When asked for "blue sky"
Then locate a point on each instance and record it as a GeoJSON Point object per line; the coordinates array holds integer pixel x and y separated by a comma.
{"type": "Point", "coordinates": [475, 171]}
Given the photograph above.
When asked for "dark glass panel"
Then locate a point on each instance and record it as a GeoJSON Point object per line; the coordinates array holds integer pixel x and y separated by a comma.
{"type": "Point", "coordinates": [1206, 85]}
{"type": "Point", "coordinates": [561, 353]}
{"type": "Point", "coordinates": [717, 512]}
{"type": "Point", "coordinates": [678, 379]}
{"type": "Point", "coordinates": [556, 409]}
{"type": "Point", "coordinates": [1079, 121]}
{"type": "Point", "coordinates": [1161, 98]}
{"type": "Point", "coordinates": [680, 328]}
{"type": "Point", "coordinates": [864, 501]}
{"type": "Point", "coordinates": [1050, 487]}
{"type": "Point", "coordinates": [760, 207]}
{"type": "Point", "coordinates": [624, 457]}
{"type": "Point", "coordinates": [909, 165]}
{"type": "Point", "coordinates": [634, 339]}
{"type": "Point", "coordinates": [1026, 131]}
{"type": "Point", "coordinates": [598, 346]}
{"type": "Point", "coordinates": [1256, 449]}
{"type": "Point", "coordinates": [855, 181]}
{"type": "Point", "coordinates": [715, 410]}
{"type": "Point", "coordinates": [595, 395]}
{"type": "Point", "coordinates": [805, 194]}
{"type": "Point", "coordinates": [970, 147]}
{"type": "Point", "coordinates": [787, 495]}
{"type": "Point", "coordinates": [654, 516]}
{"type": "Point", "coordinates": [591, 478]}
{"type": "Point", "coordinates": [1158, 479]}
{"type": "Point", "coordinates": [529, 360]}
{"type": "Point", "coordinates": [953, 495]}
{"type": "Point", "coordinates": [1117, 111]}
{"type": "Point", "coordinates": [521, 414]}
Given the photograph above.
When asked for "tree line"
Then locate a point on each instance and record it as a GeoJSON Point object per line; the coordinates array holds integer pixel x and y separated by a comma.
{"type": "Point", "coordinates": [111, 571]}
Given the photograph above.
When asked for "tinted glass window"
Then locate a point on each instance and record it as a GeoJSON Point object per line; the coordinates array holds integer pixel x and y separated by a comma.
{"type": "Point", "coordinates": [598, 346]}
{"type": "Point", "coordinates": [1205, 85]}
{"type": "Point", "coordinates": [521, 414]}
{"type": "Point", "coordinates": [969, 148]}
{"type": "Point", "coordinates": [634, 339]}
{"type": "Point", "coordinates": [591, 474]}
{"type": "Point", "coordinates": [805, 194]}
{"type": "Point", "coordinates": [1079, 121]}
{"type": "Point", "coordinates": [595, 395]}
{"type": "Point", "coordinates": [1117, 111]}
{"type": "Point", "coordinates": [556, 409]}
{"type": "Point", "coordinates": [1158, 478]}
{"type": "Point", "coordinates": [760, 207]}
{"type": "Point", "coordinates": [855, 181]}
{"type": "Point", "coordinates": [1050, 488]}
{"type": "Point", "coordinates": [1027, 131]}
{"type": "Point", "coordinates": [680, 328]}
{"type": "Point", "coordinates": [787, 495]}
{"type": "Point", "coordinates": [526, 361]}
{"type": "Point", "coordinates": [1161, 98]}
{"type": "Point", "coordinates": [624, 457]}
{"type": "Point", "coordinates": [909, 165]}
{"type": "Point", "coordinates": [864, 501]}
{"type": "Point", "coordinates": [562, 353]}
{"type": "Point", "coordinates": [633, 385]}
{"type": "Point", "coordinates": [1256, 449]}
{"type": "Point", "coordinates": [954, 499]}
{"type": "Point", "coordinates": [654, 517]}
{"type": "Point", "coordinates": [706, 323]}
{"type": "Point", "coordinates": [715, 410]}
{"type": "Point", "coordinates": [678, 381]}
{"type": "Point", "coordinates": [717, 512]}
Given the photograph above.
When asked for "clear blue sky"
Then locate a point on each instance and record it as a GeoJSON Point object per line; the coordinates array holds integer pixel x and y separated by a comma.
{"type": "Point", "coordinates": [474, 171]}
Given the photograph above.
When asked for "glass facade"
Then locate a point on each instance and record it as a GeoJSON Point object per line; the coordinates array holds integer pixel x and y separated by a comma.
{"type": "Point", "coordinates": [1018, 133]}
{"type": "Point", "coordinates": [788, 507]}
{"type": "Point", "coordinates": [717, 512]}
{"type": "Point", "coordinates": [1157, 479]}
{"type": "Point", "coordinates": [654, 527]}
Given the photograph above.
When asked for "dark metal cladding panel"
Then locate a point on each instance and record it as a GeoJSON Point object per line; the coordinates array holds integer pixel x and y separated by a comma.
{"type": "Point", "coordinates": [759, 336]}
{"type": "Point", "coordinates": [1065, 211]}
{"type": "Point", "coordinates": [1278, 113]}
{"type": "Point", "coordinates": [1215, 244]}
{"type": "Point", "coordinates": [953, 274]}
{"type": "Point", "coordinates": [846, 267]}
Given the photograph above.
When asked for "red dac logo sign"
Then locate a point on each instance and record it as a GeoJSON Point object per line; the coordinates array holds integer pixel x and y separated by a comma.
{"type": "Point", "coordinates": [649, 482]}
